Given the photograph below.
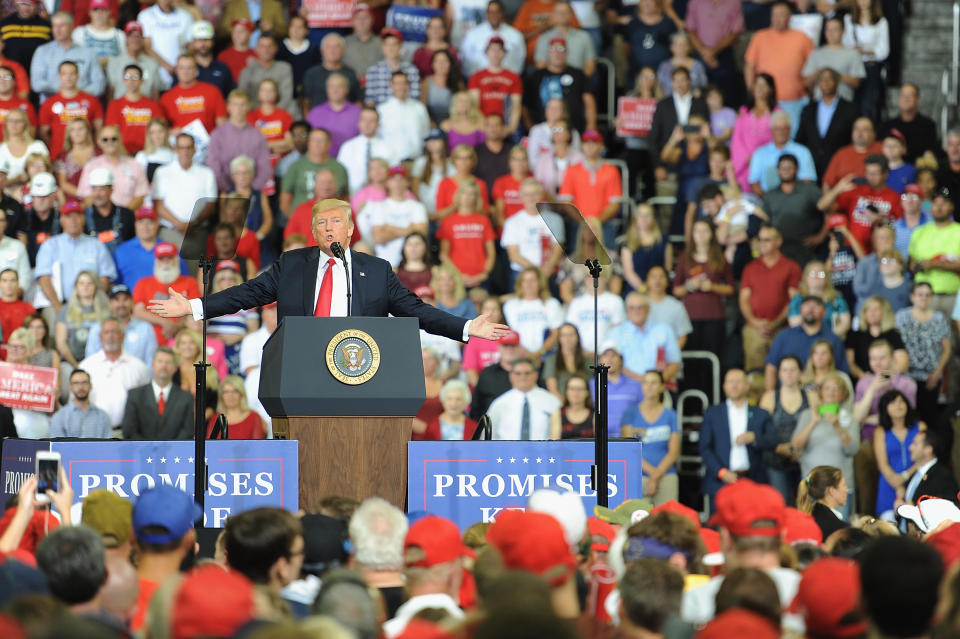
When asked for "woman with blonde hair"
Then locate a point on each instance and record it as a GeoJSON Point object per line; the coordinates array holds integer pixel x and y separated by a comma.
{"type": "Point", "coordinates": [821, 363]}
{"type": "Point", "coordinates": [375, 190]}
{"type": "Point", "coordinates": [467, 237]}
{"type": "Point", "coordinates": [822, 493]}
{"type": "Point", "coordinates": [187, 344]}
{"type": "Point", "coordinates": [156, 148]}
{"type": "Point", "coordinates": [129, 186]}
{"type": "Point", "coordinates": [645, 247]}
{"type": "Point", "coordinates": [553, 161]}
{"type": "Point", "coordinates": [816, 281]}
{"type": "Point", "coordinates": [876, 321]}
{"type": "Point", "coordinates": [18, 144]}
{"type": "Point", "coordinates": [533, 314]}
{"type": "Point", "coordinates": [30, 424]}
{"type": "Point", "coordinates": [451, 294]}
{"type": "Point", "coordinates": [430, 169]}
{"type": "Point", "coordinates": [78, 149]}
{"type": "Point", "coordinates": [242, 423]}
{"type": "Point", "coordinates": [465, 124]}
{"type": "Point", "coordinates": [87, 305]}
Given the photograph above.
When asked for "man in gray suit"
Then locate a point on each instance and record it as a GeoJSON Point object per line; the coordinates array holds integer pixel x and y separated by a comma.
{"type": "Point", "coordinates": [159, 410]}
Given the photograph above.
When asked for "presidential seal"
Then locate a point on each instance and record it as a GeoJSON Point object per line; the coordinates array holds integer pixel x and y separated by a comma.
{"type": "Point", "coordinates": [353, 357]}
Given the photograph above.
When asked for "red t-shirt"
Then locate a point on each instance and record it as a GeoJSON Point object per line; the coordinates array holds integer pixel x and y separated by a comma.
{"type": "Point", "coordinates": [507, 188]}
{"type": "Point", "coordinates": [495, 88]}
{"type": "Point", "coordinates": [12, 315]}
{"type": "Point", "coordinates": [770, 286]}
{"type": "Point", "coordinates": [592, 190]}
{"type": "Point", "coordinates": [855, 202]}
{"type": "Point", "coordinates": [247, 248]}
{"type": "Point", "coordinates": [147, 588]}
{"type": "Point", "coordinates": [273, 127]}
{"type": "Point", "coordinates": [202, 101]}
{"type": "Point", "coordinates": [6, 106]}
{"type": "Point", "coordinates": [149, 288]}
{"type": "Point", "coordinates": [848, 160]}
{"type": "Point", "coordinates": [236, 60]}
{"type": "Point", "coordinates": [133, 118]}
{"type": "Point", "coordinates": [467, 235]}
{"type": "Point", "coordinates": [20, 77]}
{"type": "Point", "coordinates": [57, 111]}
{"type": "Point", "coordinates": [300, 223]}
{"type": "Point", "coordinates": [448, 188]}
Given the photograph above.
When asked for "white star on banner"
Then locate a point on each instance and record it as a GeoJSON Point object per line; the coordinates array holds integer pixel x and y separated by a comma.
{"type": "Point", "coordinates": [176, 460]}
{"type": "Point", "coordinates": [163, 460]}
{"type": "Point", "coordinates": [526, 460]}
{"type": "Point", "coordinates": [149, 460]}
{"type": "Point", "coordinates": [539, 460]}
{"type": "Point", "coordinates": [499, 460]}
{"type": "Point", "coordinates": [513, 460]}
{"type": "Point", "coordinates": [552, 460]}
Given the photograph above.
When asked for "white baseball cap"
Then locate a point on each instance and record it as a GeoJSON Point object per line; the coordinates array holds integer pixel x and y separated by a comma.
{"type": "Point", "coordinates": [930, 512]}
{"type": "Point", "coordinates": [201, 30]}
{"type": "Point", "coordinates": [43, 184]}
{"type": "Point", "coordinates": [101, 176]}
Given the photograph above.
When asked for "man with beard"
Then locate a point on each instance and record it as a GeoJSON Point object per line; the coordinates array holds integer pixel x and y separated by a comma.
{"type": "Point", "coordinates": [209, 69]}
{"type": "Point", "coordinates": [113, 373]}
{"type": "Point", "coordinates": [80, 418]}
{"type": "Point", "coordinates": [139, 339]}
{"type": "Point", "coordinates": [798, 340]}
{"type": "Point", "coordinates": [166, 275]}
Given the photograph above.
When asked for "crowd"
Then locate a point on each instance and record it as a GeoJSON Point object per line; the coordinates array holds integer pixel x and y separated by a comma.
{"type": "Point", "coordinates": [809, 241]}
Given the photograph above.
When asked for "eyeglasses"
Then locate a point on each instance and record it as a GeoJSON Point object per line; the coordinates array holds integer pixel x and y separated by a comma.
{"type": "Point", "coordinates": [558, 129]}
{"type": "Point", "coordinates": [230, 391]}
{"type": "Point", "coordinates": [6, 77]}
{"type": "Point", "coordinates": [889, 260]}
{"type": "Point", "coordinates": [113, 139]}
{"type": "Point", "coordinates": [184, 148]}
{"type": "Point", "coordinates": [131, 76]}
{"type": "Point", "coordinates": [523, 373]}
{"type": "Point", "coordinates": [11, 347]}
{"type": "Point", "coordinates": [818, 274]}
{"type": "Point", "coordinates": [557, 47]}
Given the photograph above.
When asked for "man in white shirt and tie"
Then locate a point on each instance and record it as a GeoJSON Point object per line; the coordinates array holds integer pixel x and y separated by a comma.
{"type": "Point", "coordinates": [355, 154]}
{"type": "Point", "coordinates": [930, 478]}
{"type": "Point", "coordinates": [524, 411]}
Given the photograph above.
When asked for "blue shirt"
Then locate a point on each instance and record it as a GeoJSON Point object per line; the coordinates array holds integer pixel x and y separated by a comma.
{"type": "Point", "coordinates": [620, 396]}
{"type": "Point", "coordinates": [139, 340]}
{"type": "Point", "coordinates": [72, 421]}
{"type": "Point", "coordinates": [655, 436]}
{"type": "Point", "coordinates": [45, 74]}
{"type": "Point", "coordinates": [796, 341]}
{"type": "Point", "coordinates": [900, 177]}
{"type": "Point", "coordinates": [84, 253]}
{"type": "Point", "coordinates": [763, 164]}
{"type": "Point", "coordinates": [135, 262]}
{"type": "Point", "coordinates": [825, 115]}
{"type": "Point", "coordinates": [642, 346]}
{"type": "Point", "coordinates": [902, 233]}
{"type": "Point", "coordinates": [464, 309]}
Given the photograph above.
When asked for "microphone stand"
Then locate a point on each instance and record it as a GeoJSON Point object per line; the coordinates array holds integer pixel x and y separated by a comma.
{"type": "Point", "coordinates": [338, 251]}
{"type": "Point", "coordinates": [200, 427]}
{"type": "Point", "coordinates": [601, 437]}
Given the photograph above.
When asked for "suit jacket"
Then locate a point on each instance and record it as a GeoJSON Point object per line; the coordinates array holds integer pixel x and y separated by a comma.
{"type": "Point", "coordinates": [291, 281]}
{"type": "Point", "coordinates": [715, 444]}
{"type": "Point", "coordinates": [665, 120]}
{"type": "Point", "coordinates": [142, 421]}
{"type": "Point", "coordinates": [827, 520]}
{"type": "Point", "coordinates": [938, 481]}
{"type": "Point", "coordinates": [838, 133]}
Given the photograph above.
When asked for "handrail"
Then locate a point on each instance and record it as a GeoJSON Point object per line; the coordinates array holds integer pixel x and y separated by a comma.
{"type": "Point", "coordinates": [611, 90]}
{"type": "Point", "coordinates": [714, 366]}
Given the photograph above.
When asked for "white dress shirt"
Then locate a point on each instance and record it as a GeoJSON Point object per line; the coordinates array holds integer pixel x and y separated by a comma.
{"type": "Point", "coordinates": [682, 104]}
{"type": "Point", "coordinates": [737, 417]}
{"type": "Point", "coordinates": [111, 380]}
{"type": "Point", "coordinates": [404, 125]}
{"type": "Point", "coordinates": [157, 391]}
{"type": "Point", "coordinates": [353, 156]}
{"type": "Point", "coordinates": [506, 410]}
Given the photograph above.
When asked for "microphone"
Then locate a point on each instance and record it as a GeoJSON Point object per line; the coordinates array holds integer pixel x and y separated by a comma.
{"type": "Point", "coordinates": [339, 253]}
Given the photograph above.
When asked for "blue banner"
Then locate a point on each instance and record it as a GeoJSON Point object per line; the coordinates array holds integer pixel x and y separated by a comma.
{"type": "Point", "coordinates": [243, 474]}
{"type": "Point", "coordinates": [470, 482]}
{"type": "Point", "coordinates": [411, 21]}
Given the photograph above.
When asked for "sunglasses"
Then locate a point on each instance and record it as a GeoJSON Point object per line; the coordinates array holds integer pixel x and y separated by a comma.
{"type": "Point", "coordinates": [113, 139]}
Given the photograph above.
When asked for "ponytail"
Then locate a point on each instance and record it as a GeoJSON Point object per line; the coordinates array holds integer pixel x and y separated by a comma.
{"type": "Point", "coordinates": [815, 485]}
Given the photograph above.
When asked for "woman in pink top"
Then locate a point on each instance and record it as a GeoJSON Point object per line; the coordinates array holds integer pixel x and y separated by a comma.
{"type": "Point", "coordinates": [752, 128]}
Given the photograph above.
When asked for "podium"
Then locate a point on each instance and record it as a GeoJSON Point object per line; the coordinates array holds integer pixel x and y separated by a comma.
{"type": "Point", "coordinates": [353, 426]}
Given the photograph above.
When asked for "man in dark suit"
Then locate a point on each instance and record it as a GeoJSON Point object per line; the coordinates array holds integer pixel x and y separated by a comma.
{"type": "Point", "coordinates": [826, 124]}
{"type": "Point", "coordinates": [931, 479]}
{"type": "Point", "coordinates": [733, 437]}
{"type": "Point", "coordinates": [676, 110]}
{"type": "Point", "coordinates": [311, 281]}
{"type": "Point", "coordinates": [159, 410]}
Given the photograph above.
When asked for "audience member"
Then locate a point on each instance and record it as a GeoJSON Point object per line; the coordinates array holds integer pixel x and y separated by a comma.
{"type": "Point", "coordinates": [524, 411]}
{"type": "Point", "coordinates": [133, 54]}
{"type": "Point", "coordinates": [335, 113]}
{"type": "Point", "coordinates": [66, 104]}
{"type": "Point", "coordinates": [192, 99]}
{"type": "Point", "coordinates": [237, 137]}
{"type": "Point", "coordinates": [182, 190]}
{"type": "Point", "coordinates": [159, 410]}
{"type": "Point", "coordinates": [380, 76]}
{"type": "Point", "coordinates": [46, 61]}
{"type": "Point", "coordinates": [209, 69]}
{"type": "Point", "coordinates": [139, 337]}
{"type": "Point", "coordinates": [675, 111]}
{"type": "Point", "coordinates": [560, 80]}
{"type": "Point", "coordinates": [918, 129]}
{"type": "Point", "coordinates": [826, 123]}
{"type": "Point", "coordinates": [79, 418]}
{"type": "Point", "coordinates": [846, 64]}
{"type": "Point", "coordinates": [851, 159]}
{"type": "Point", "coordinates": [266, 66]}
{"type": "Point", "coordinates": [764, 174]}
{"type": "Point", "coordinates": [404, 122]}
{"type": "Point", "coordinates": [13, 310]}
{"type": "Point", "coordinates": [332, 50]}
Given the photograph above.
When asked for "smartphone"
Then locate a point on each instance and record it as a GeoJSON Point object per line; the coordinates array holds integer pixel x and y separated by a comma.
{"type": "Point", "coordinates": [691, 128]}
{"type": "Point", "coordinates": [48, 474]}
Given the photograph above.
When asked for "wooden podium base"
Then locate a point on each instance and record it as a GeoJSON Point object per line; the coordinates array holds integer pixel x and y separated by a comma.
{"type": "Point", "coordinates": [356, 457]}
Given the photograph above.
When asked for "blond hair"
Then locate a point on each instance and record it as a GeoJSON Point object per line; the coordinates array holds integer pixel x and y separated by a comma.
{"type": "Point", "coordinates": [633, 235]}
{"type": "Point", "coordinates": [829, 293]}
{"type": "Point", "coordinates": [459, 290]}
{"type": "Point", "coordinates": [541, 280]}
{"type": "Point", "coordinates": [888, 321]}
{"type": "Point", "coordinates": [473, 114]}
{"type": "Point", "coordinates": [236, 383]}
{"type": "Point", "coordinates": [330, 204]}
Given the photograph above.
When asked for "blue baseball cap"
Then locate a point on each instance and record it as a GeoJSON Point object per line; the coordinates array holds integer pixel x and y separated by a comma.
{"type": "Point", "coordinates": [165, 506]}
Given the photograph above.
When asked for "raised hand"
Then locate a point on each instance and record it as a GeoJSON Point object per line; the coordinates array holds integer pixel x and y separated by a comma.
{"type": "Point", "coordinates": [176, 307]}
{"type": "Point", "coordinates": [484, 327]}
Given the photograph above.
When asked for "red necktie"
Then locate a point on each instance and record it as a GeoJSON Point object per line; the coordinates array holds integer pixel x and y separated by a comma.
{"type": "Point", "coordinates": [326, 292]}
{"type": "Point", "coordinates": [161, 404]}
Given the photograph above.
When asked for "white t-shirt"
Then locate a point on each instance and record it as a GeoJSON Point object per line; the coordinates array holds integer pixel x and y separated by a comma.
{"type": "Point", "coordinates": [427, 192]}
{"type": "Point", "coordinates": [466, 15]}
{"type": "Point", "coordinates": [699, 604]}
{"type": "Point", "coordinates": [168, 33]}
{"type": "Point", "coordinates": [532, 319]}
{"type": "Point", "coordinates": [404, 125]}
{"type": "Point", "coordinates": [16, 164]}
{"type": "Point", "coordinates": [531, 236]}
{"type": "Point", "coordinates": [181, 189]}
{"type": "Point", "coordinates": [390, 212]}
{"type": "Point", "coordinates": [610, 312]}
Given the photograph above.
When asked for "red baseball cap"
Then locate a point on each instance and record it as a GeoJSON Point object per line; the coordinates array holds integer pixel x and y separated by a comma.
{"type": "Point", "coordinates": [132, 26]}
{"type": "Point", "coordinates": [211, 601]}
{"type": "Point", "coordinates": [99, 4]}
{"type": "Point", "coordinates": [71, 206]}
{"type": "Point", "coordinates": [896, 133]}
{"type": "Point", "coordinates": [397, 170]}
{"type": "Point", "coordinates": [558, 40]}
{"type": "Point", "coordinates": [591, 135]}
{"type": "Point", "coordinates": [801, 528]}
{"type": "Point", "coordinates": [146, 211]}
{"type": "Point", "coordinates": [674, 506]}
{"type": "Point", "coordinates": [947, 543]}
{"type": "Point", "coordinates": [496, 40]}
{"type": "Point", "coordinates": [914, 189]}
{"type": "Point", "coordinates": [600, 528]}
{"type": "Point", "coordinates": [424, 291]}
{"type": "Point", "coordinates": [738, 622]}
{"type": "Point", "coordinates": [224, 265]}
{"type": "Point", "coordinates": [246, 22]}
{"type": "Point", "coordinates": [164, 249]}
{"type": "Point", "coordinates": [533, 542]}
{"type": "Point", "coordinates": [390, 32]}
{"type": "Point", "coordinates": [438, 538]}
{"type": "Point", "coordinates": [748, 509]}
{"type": "Point", "coordinates": [510, 338]}
{"type": "Point", "coordinates": [828, 598]}
{"type": "Point", "coordinates": [836, 220]}
{"type": "Point", "coordinates": [362, 7]}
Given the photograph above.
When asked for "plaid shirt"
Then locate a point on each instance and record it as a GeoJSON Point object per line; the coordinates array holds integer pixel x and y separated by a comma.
{"type": "Point", "coordinates": [378, 81]}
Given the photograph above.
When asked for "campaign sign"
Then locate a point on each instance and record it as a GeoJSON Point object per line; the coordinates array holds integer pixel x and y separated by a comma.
{"type": "Point", "coordinates": [468, 482]}
{"type": "Point", "coordinates": [243, 474]}
{"type": "Point", "coordinates": [324, 14]}
{"type": "Point", "coordinates": [28, 387]}
{"type": "Point", "coordinates": [635, 116]}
